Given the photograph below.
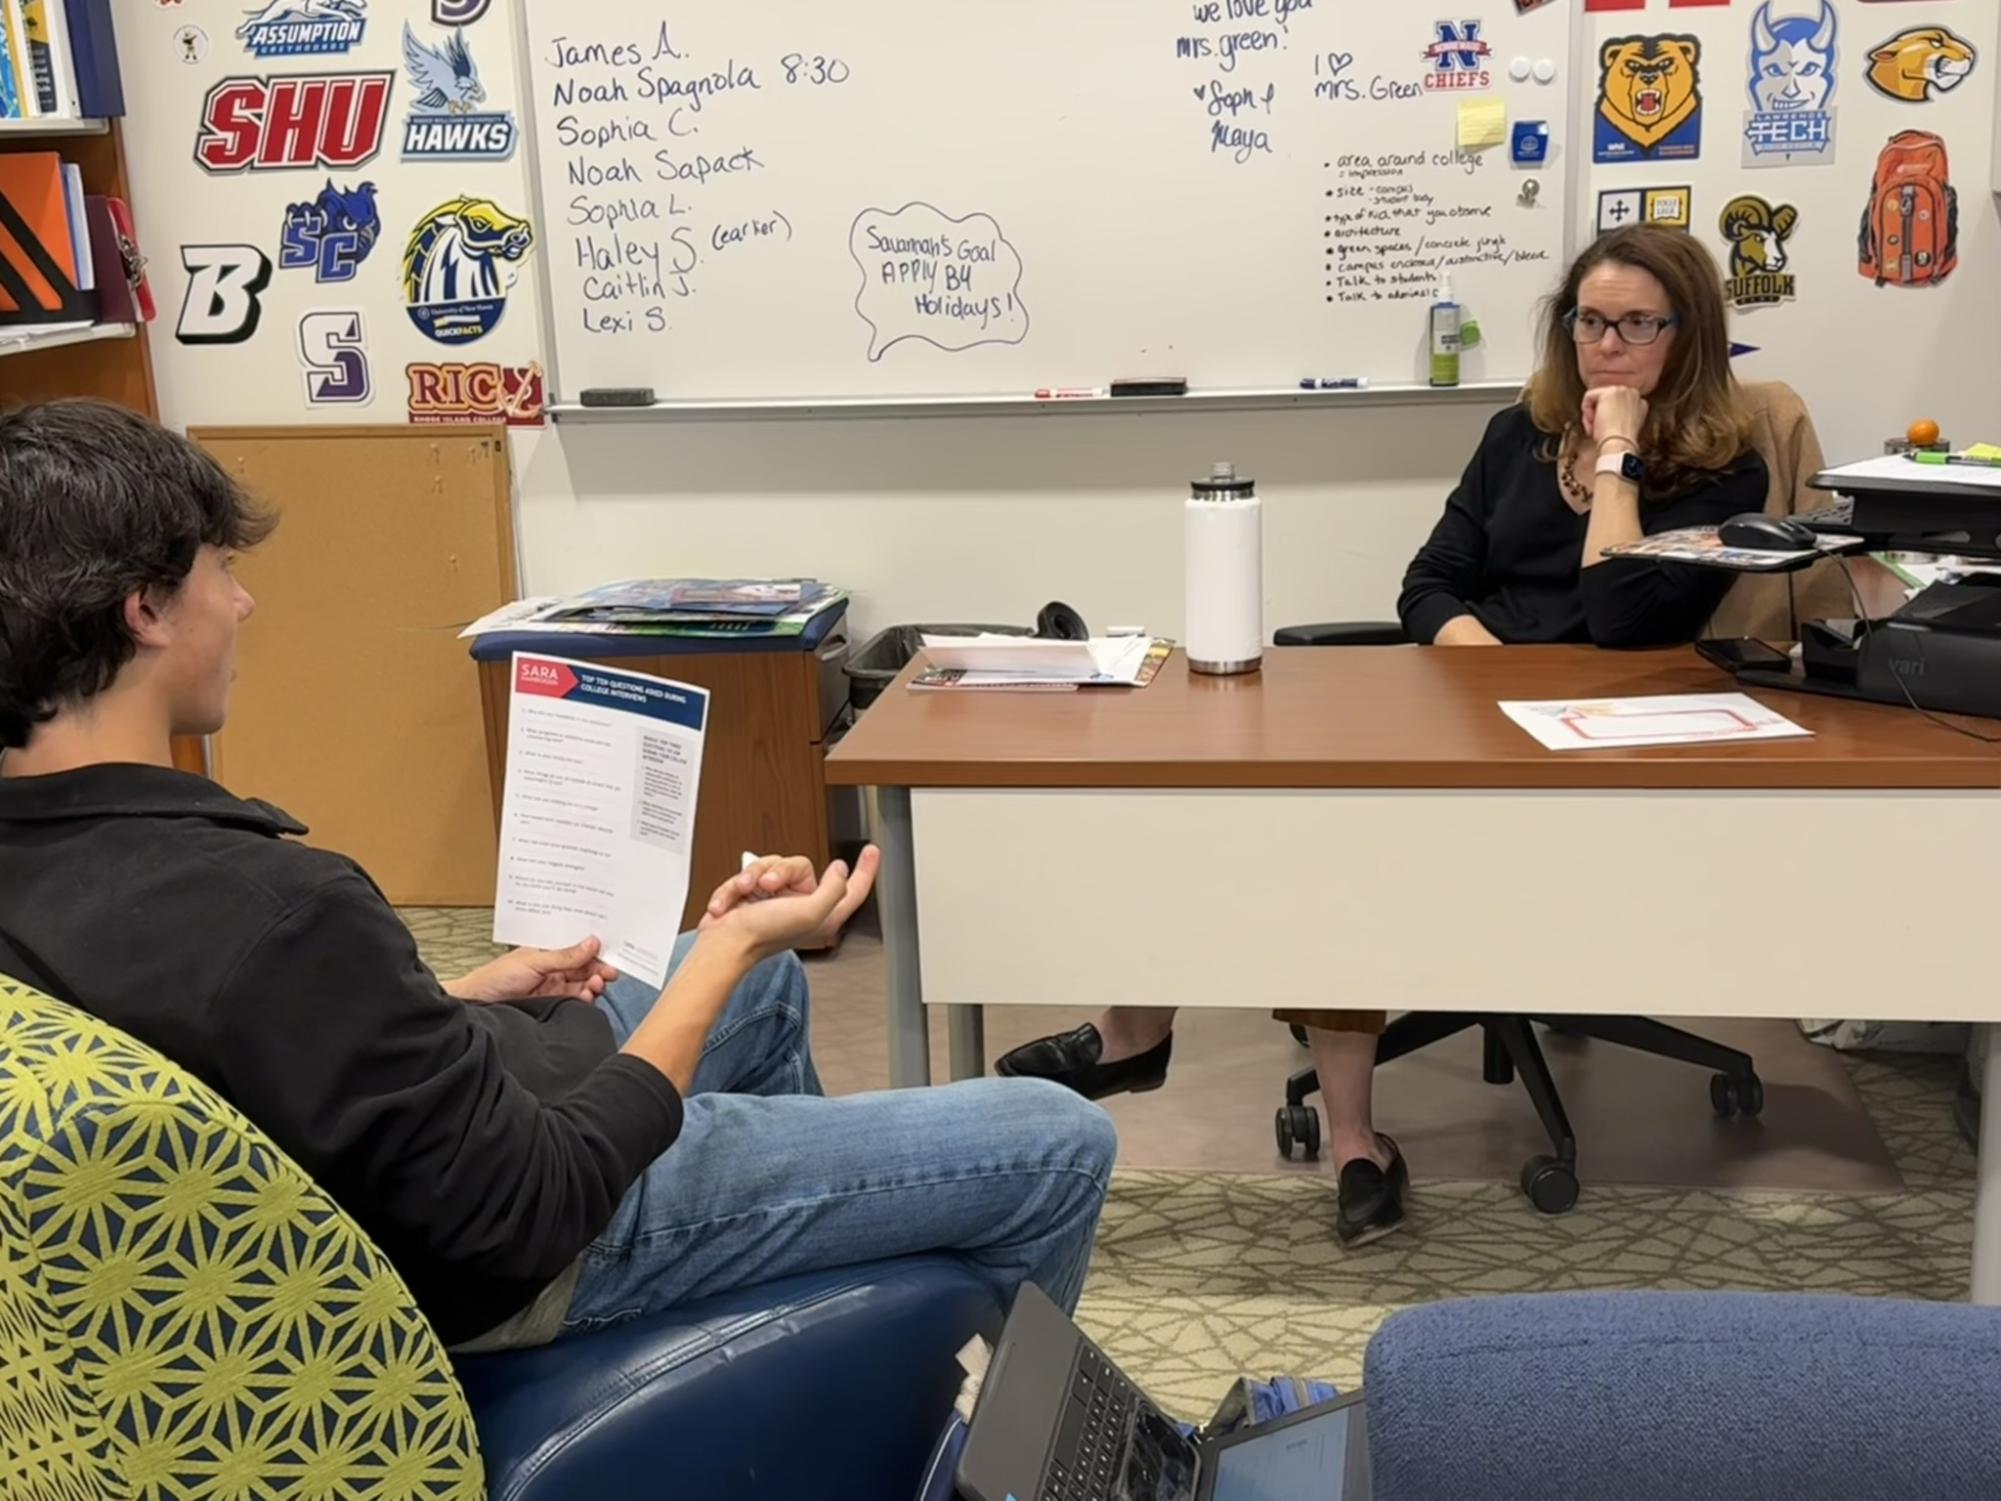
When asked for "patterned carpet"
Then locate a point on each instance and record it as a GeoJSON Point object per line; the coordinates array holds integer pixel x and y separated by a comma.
{"type": "Point", "coordinates": [1201, 1277]}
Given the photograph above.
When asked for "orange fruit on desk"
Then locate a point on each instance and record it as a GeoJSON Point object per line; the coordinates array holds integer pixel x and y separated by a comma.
{"type": "Point", "coordinates": [1922, 432]}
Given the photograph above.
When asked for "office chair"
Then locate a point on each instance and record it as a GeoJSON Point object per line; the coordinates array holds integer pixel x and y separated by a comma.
{"type": "Point", "coordinates": [1509, 1046]}
{"type": "Point", "coordinates": [1768, 608]}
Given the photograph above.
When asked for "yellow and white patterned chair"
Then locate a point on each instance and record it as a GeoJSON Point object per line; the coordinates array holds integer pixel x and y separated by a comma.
{"type": "Point", "coordinates": [184, 1314]}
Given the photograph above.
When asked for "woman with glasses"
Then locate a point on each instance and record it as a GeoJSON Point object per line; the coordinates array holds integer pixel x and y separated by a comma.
{"type": "Point", "coordinates": [1630, 426]}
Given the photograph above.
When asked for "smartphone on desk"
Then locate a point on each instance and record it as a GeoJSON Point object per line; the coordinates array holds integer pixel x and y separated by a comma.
{"type": "Point", "coordinates": [1735, 655]}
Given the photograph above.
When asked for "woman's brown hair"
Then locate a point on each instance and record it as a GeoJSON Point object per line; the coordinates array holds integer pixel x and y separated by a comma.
{"type": "Point", "coordinates": [1696, 425]}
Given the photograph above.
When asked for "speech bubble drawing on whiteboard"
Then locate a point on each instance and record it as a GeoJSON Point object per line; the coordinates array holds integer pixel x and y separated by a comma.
{"type": "Point", "coordinates": [955, 283]}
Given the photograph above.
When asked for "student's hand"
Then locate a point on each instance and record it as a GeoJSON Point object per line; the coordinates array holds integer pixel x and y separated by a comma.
{"type": "Point", "coordinates": [1615, 413]}
{"type": "Point", "coordinates": [1464, 630]}
{"type": "Point", "coordinates": [778, 903]}
{"type": "Point", "coordinates": [526, 973]}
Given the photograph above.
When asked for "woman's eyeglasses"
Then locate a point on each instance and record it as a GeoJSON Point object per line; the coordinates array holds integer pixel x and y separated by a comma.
{"type": "Point", "coordinates": [1634, 328]}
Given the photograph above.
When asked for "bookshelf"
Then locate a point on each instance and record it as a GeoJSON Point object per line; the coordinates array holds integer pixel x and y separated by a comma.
{"type": "Point", "coordinates": [111, 361]}
{"type": "Point", "coordinates": [108, 361]}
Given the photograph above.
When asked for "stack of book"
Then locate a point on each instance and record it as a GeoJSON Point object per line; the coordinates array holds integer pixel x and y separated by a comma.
{"type": "Point", "coordinates": [672, 607]}
{"type": "Point", "coordinates": [67, 259]}
{"type": "Point", "coordinates": [58, 61]}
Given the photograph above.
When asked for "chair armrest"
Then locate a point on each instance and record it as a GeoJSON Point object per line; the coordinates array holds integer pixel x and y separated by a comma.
{"type": "Point", "coordinates": [1342, 633]}
{"type": "Point", "coordinates": [1685, 1394]}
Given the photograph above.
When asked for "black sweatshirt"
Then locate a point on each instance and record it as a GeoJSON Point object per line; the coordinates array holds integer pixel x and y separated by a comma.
{"type": "Point", "coordinates": [1509, 551]}
{"type": "Point", "coordinates": [482, 1146]}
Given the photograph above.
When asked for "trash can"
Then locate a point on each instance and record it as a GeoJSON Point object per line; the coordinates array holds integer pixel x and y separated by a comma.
{"type": "Point", "coordinates": [889, 651]}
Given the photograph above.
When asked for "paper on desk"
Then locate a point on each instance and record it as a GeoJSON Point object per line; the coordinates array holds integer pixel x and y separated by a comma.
{"type": "Point", "coordinates": [1030, 659]}
{"type": "Point", "coordinates": [1482, 122]}
{"type": "Point", "coordinates": [1665, 719]}
{"type": "Point", "coordinates": [1894, 466]}
{"type": "Point", "coordinates": [603, 769]}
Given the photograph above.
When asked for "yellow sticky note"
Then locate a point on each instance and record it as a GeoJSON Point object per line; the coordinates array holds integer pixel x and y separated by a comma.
{"type": "Point", "coordinates": [1482, 122]}
{"type": "Point", "coordinates": [1985, 451]}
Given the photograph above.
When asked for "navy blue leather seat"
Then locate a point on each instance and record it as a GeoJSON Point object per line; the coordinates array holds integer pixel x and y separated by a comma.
{"type": "Point", "coordinates": [832, 1387]}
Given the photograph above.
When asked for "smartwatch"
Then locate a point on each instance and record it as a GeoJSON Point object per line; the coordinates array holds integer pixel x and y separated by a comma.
{"type": "Point", "coordinates": [1628, 466]}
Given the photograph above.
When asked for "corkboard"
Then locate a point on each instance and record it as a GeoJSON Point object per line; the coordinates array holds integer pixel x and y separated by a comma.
{"type": "Point", "coordinates": [356, 706]}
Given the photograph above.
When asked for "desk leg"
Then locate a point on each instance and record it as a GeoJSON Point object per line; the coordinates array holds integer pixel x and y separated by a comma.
{"type": "Point", "coordinates": [1987, 1202]}
{"type": "Point", "coordinates": [896, 903]}
{"type": "Point", "coordinates": [966, 1030]}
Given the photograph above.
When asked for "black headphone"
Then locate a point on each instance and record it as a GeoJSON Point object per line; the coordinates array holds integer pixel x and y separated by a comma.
{"type": "Point", "coordinates": [1058, 622]}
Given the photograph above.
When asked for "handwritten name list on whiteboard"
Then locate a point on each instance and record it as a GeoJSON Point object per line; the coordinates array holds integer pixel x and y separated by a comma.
{"type": "Point", "coordinates": [881, 197]}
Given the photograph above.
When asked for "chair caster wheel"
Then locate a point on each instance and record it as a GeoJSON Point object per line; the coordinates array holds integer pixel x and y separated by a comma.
{"type": "Point", "coordinates": [1299, 1035]}
{"type": "Point", "coordinates": [1297, 1124]}
{"type": "Point", "coordinates": [1550, 1185]}
{"type": "Point", "coordinates": [1730, 1096]}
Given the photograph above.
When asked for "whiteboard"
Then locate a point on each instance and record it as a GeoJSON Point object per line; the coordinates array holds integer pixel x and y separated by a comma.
{"type": "Point", "coordinates": [891, 198]}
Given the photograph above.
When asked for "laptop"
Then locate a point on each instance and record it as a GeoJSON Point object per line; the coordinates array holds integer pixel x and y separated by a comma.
{"type": "Point", "coordinates": [1056, 1420]}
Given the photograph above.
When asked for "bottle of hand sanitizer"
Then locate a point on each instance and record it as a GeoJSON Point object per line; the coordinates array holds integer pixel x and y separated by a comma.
{"type": "Point", "coordinates": [1445, 335]}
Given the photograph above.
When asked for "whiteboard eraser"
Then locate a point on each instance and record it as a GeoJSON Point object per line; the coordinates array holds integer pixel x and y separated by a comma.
{"type": "Point", "coordinates": [618, 396]}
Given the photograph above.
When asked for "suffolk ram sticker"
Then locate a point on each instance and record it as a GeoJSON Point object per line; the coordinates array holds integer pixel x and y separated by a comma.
{"type": "Point", "coordinates": [1759, 236]}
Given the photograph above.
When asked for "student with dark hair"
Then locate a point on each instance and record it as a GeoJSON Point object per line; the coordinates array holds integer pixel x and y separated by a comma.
{"type": "Point", "coordinates": [540, 1146]}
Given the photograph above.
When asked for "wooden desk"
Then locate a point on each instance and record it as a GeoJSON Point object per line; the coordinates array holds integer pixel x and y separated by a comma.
{"type": "Point", "coordinates": [1363, 827]}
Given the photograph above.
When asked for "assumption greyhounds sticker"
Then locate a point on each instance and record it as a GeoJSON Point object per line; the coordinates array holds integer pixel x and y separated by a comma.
{"type": "Point", "coordinates": [303, 28]}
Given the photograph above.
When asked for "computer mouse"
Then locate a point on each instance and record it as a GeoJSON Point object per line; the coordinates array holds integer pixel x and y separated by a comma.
{"type": "Point", "coordinates": [1757, 532]}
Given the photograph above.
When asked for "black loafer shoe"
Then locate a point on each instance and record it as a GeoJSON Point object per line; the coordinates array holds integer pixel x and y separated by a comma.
{"type": "Point", "coordinates": [1071, 1059]}
{"type": "Point", "coordinates": [1371, 1198]}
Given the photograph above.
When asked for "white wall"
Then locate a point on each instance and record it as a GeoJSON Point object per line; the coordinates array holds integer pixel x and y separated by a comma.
{"type": "Point", "coordinates": [971, 518]}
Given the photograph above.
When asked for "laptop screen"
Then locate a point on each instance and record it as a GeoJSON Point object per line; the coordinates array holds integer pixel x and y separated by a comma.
{"type": "Point", "coordinates": [1300, 1459]}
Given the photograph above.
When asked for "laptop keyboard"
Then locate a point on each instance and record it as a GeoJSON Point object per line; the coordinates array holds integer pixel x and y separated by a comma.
{"type": "Point", "coordinates": [1091, 1444]}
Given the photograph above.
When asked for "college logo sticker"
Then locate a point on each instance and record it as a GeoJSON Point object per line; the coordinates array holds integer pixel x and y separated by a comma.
{"type": "Point", "coordinates": [1649, 100]}
{"type": "Point", "coordinates": [1918, 65]}
{"type": "Point", "coordinates": [303, 28]}
{"type": "Point", "coordinates": [458, 12]}
{"type": "Point", "coordinates": [1668, 208]}
{"type": "Point", "coordinates": [191, 44]}
{"type": "Point", "coordinates": [293, 122]}
{"type": "Point", "coordinates": [1758, 235]}
{"type": "Point", "coordinates": [332, 234]}
{"type": "Point", "coordinates": [1458, 58]}
{"type": "Point", "coordinates": [446, 122]}
{"type": "Point", "coordinates": [461, 259]}
{"type": "Point", "coordinates": [334, 351]}
{"type": "Point", "coordinates": [483, 392]}
{"type": "Point", "coordinates": [1791, 120]}
{"type": "Point", "coordinates": [223, 303]}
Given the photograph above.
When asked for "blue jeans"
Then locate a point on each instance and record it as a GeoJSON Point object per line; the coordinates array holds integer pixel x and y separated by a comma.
{"type": "Point", "coordinates": [770, 1178]}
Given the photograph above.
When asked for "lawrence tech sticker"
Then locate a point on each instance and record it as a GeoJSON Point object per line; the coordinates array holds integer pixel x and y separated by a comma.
{"type": "Point", "coordinates": [1792, 82]}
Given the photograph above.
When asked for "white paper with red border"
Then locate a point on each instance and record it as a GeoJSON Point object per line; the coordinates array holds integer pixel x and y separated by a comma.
{"type": "Point", "coordinates": [1665, 719]}
{"type": "Point", "coordinates": [604, 771]}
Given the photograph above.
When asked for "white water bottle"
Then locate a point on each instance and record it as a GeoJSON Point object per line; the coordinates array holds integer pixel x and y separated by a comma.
{"type": "Point", "coordinates": [1224, 569]}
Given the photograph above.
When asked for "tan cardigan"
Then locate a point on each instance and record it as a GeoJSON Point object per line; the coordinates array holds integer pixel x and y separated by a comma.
{"type": "Point", "coordinates": [1771, 607]}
